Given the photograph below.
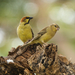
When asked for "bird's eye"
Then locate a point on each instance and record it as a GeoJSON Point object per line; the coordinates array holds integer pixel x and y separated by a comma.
{"type": "Point", "coordinates": [27, 17]}
{"type": "Point", "coordinates": [55, 25]}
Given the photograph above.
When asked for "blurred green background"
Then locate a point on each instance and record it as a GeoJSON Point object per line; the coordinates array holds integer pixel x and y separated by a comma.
{"type": "Point", "coordinates": [44, 12]}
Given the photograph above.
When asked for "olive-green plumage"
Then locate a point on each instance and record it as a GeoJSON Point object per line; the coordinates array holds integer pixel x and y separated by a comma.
{"type": "Point", "coordinates": [44, 35]}
{"type": "Point", "coordinates": [24, 30]}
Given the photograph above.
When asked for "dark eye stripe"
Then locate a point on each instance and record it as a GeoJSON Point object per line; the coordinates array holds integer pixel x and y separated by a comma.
{"type": "Point", "coordinates": [27, 17]}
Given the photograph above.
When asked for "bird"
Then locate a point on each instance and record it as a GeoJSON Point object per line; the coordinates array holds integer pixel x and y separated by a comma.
{"type": "Point", "coordinates": [24, 30]}
{"type": "Point", "coordinates": [44, 35]}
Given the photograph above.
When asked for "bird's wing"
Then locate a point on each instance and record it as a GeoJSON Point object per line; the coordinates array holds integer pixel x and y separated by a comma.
{"type": "Point", "coordinates": [32, 33]}
{"type": "Point", "coordinates": [42, 32]}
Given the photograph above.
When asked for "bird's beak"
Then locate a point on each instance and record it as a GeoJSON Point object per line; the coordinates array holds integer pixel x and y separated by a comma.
{"type": "Point", "coordinates": [30, 17]}
{"type": "Point", "coordinates": [57, 28]}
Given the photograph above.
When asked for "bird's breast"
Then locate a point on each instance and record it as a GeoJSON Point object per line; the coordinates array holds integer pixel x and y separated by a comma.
{"type": "Point", "coordinates": [46, 37]}
{"type": "Point", "coordinates": [24, 33]}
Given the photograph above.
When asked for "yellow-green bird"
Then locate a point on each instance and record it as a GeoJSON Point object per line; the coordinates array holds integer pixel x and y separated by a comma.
{"type": "Point", "coordinates": [44, 35]}
{"type": "Point", "coordinates": [24, 30]}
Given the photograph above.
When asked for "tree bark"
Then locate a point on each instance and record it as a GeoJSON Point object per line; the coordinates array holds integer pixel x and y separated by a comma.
{"type": "Point", "coordinates": [36, 58]}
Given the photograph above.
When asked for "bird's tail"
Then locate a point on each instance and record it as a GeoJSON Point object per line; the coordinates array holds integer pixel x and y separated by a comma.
{"type": "Point", "coordinates": [24, 46]}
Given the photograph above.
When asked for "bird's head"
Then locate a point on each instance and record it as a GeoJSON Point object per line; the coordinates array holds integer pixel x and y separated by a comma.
{"type": "Point", "coordinates": [26, 20]}
{"type": "Point", "coordinates": [55, 27]}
